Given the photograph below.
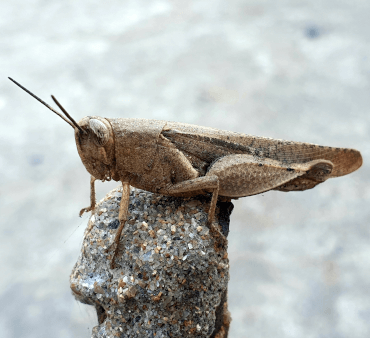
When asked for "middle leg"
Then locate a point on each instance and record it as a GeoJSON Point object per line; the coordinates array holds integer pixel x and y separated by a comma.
{"type": "Point", "coordinates": [122, 217]}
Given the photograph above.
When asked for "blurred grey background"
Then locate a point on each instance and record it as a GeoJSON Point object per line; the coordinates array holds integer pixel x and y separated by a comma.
{"type": "Point", "coordinates": [297, 70]}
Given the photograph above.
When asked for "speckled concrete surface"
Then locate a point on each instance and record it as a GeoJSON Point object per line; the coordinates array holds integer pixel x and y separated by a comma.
{"type": "Point", "coordinates": [297, 70]}
{"type": "Point", "coordinates": [171, 273]}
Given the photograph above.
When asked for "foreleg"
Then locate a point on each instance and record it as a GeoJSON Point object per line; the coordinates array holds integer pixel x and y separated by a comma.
{"type": "Point", "coordinates": [92, 197]}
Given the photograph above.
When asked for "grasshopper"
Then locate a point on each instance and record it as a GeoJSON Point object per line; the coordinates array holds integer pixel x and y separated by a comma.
{"type": "Point", "coordinates": [179, 159]}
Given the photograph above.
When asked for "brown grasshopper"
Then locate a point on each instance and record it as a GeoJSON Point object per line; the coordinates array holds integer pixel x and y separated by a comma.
{"type": "Point", "coordinates": [179, 159]}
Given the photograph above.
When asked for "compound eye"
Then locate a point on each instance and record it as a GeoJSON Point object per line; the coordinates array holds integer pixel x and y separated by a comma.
{"type": "Point", "coordinates": [100, 131]}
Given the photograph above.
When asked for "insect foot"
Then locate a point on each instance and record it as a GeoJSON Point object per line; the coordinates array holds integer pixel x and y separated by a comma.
{"type": "Point", "coordinates": [169, 280]}
{"type": "Point", "coordinates": [82, 211]}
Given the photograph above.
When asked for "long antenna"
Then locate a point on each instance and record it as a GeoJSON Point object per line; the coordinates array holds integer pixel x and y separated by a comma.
{"type": "Point", "coordinates": [44, 103]}
{"type": "Point", "coordinates": [66, 114]}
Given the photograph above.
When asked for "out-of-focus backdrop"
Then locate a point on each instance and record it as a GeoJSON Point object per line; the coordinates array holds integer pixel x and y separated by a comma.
{"type": "Point", "coordinates": [297, 70]}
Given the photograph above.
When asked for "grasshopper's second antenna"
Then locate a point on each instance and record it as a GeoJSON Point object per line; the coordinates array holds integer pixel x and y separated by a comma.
{"type": "Point", "coordinates": [66, 114]}
{"type": "Point", "coordinates": [45, 104]}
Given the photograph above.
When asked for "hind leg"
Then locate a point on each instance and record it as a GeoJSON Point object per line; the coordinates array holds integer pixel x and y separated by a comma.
{"type": "Point", "coordinates": [245, 175]}
{"type": "Point", "coordinates": [209, 182]}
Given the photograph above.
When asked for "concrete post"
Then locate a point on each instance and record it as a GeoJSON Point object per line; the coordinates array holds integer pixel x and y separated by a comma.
{"type": "Point", "coordinates": [171, 273]}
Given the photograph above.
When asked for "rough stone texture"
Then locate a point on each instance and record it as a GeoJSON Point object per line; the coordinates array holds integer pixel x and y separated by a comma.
{"type": "Point", "coordinates": [171, 272]}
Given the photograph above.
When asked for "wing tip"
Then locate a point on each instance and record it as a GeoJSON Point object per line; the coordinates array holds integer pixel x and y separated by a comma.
{"type": "Point", "coordinates": [346, 162]}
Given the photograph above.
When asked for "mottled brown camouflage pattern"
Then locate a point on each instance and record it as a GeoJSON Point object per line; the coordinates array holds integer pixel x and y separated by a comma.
{"type": "Point", "coordinates": [179, 159]}
{"type": "Point", "coordinates": [156, 155]}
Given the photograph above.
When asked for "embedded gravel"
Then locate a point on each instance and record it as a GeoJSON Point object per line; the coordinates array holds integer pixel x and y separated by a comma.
{"type": "Point", "coordinates": [170, 274]}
